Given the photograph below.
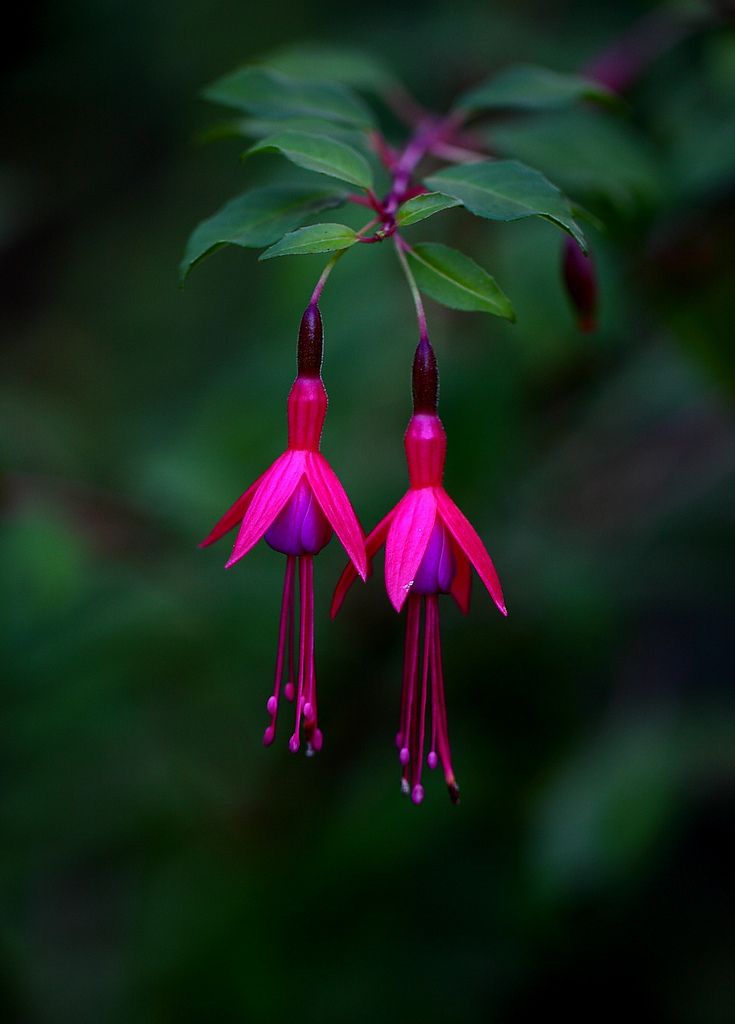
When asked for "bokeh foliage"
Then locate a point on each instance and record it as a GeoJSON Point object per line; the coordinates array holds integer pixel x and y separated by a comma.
{"type": "Point", "coordinates": [156, 864]}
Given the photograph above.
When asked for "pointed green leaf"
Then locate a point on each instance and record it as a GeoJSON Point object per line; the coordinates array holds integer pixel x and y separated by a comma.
{"type": "Point", "coordinates": [261, 128]}
{"type": "Point", "coordinates": [315, 238]}
{"type": "Point", "coordinates": [527, 87]}
{"type": "Point", "coordinates": [507, 190]}
{"type": "Point", "coordinates": [331, 64]}
{"type": "Point", "coordinates": [267, 93]}
{"type": "Point", "coordinates": [457, 281]}
{"type": "Point", "coordinates": [585, 153]}
{"type": "Point", "coordinates": [423, 206]}
{"type": "Point", "coordinates": [256, 218]}
{"type": "Point", "coordinates": [318, 153]}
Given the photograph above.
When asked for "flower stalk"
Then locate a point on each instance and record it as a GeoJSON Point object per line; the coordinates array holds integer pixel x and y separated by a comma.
{"type": "Point", "coordinates": [430, 549]}
{"type": "Point", "coordinates": [296, 506]}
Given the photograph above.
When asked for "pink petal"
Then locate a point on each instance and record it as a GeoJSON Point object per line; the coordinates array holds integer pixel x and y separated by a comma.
{"type": "Point", "coordinates": [462, 583]}
{"type": "Point", "coordinates": [335, 505]}
{"type": "Point", "coordinates": [466, 536]}
{"type": "Point", "coordinates": [374, 540]}
{"type": "Point", "coordinates": [276, 486]}
{"type": "Point", "coordinates": [232, 516]}
{"type": "Point", "coordinates": [408, 537]}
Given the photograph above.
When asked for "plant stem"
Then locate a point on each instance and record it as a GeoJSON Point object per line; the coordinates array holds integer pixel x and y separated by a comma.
{"type": "Point", "coordinates": [458, 154]}
{"type": "Point", "coordinates": [430, 132]}
{"type": "Point", "coordinates": [330, 265]}
{"type": "Point", "coordinates": [416, 295]}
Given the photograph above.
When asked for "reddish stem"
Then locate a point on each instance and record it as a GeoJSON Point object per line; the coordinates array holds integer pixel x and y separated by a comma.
{"type": "Point", "coordinates": [386, 153]}
{"type": "Point", "coordinates": [380, 236]}
{"type": "Point", "coordinates": [431, 131]}
{"type": "Point", "coordinates": [359, 200]}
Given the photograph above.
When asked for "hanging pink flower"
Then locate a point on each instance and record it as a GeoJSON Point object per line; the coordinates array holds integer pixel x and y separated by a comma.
{"type": "Point", "coordinates": [295, 506]}
{"type": "Point", "coordinates": [430, 549]}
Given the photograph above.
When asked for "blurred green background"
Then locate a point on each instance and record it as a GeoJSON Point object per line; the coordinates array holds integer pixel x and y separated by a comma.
{"type": "Point", "coordinates": [156, 864]}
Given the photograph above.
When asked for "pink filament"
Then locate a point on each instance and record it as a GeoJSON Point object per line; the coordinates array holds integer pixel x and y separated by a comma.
{"type": "Point", "coordinates": [412, 730]}
{"type": "Point", "coordinates": [311, 731]}
{"type": "Point", "coordinates": [305, 695]}
{"type": "Point", "coordinates": [285, 630]}
{"type": "Point", "coordinates": [289, 689]}
{"type": "Point", "coordinates": [441, 718]}
{"type": "Point", "coordinates": [417, 791]}
{"type": "Point", "coordinates": [410, 667]}
{"type": "Point", "coordinates": [295, 741]}
{"type": "Point", "coordinates": [432, 759]}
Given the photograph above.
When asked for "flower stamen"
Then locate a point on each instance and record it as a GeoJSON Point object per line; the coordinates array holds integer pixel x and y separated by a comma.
{"type": "Point", "coordinates": [417, 790]}
{"type": "Point", "coordinates": [290, 689]}
{"type": "Point", "coordinates": [285, 634]}
{"type": "Point", "coordinates": [441, 717]}
{"type": "Point", "coordinates": [415, 702]}
{"type": "Point", "coordinates": [413, 624]}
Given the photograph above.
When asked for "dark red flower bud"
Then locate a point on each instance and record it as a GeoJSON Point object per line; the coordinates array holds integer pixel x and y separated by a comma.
{"type": "Point", "coordinates": [580, 279]}
{"type": "Point", "coordinates": [425, 378]}
{"type": "Point", "coordinates": [311, 336]}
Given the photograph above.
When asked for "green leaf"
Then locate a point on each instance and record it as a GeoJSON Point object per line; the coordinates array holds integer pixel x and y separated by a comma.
{"type": "Point", "coordinates": [262, 127]}
{"type": "Point", "coordinates": [507, 190]}
{"type": "Point", "coordinates": [527, 87]}
{"type": "Point", "coordinates": [318, 153]}
{"type": "Point", "coordinates": [456, 280]}
{"type": "Point", "coordinates": [601, 157]}
{"type": "Point", "coordinates": [331, 64]}
{"type": "Point", "coordinates": [266, 93]}
{"type": "Point", "coordinates": [423, 206]}
{"type": "Point", "coordinates": [256, 218]}
{"type": "Point", "coordinates": [315, 238]}
{"type": "Point", "coordinates": [582, 213]}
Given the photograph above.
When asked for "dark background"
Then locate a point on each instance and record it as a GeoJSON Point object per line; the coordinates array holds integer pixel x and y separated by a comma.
{"type": "Point", "coordinates": [156, 864]}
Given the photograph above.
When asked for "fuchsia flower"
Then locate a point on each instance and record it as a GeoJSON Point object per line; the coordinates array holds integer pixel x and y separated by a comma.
{"type": "Point", "coordinates": [295, 505]}
{"type": "Point", "coordinates": [430, 548]}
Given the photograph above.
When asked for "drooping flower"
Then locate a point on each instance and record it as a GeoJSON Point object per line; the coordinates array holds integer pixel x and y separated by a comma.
{"type": "Point", "coordinates": [580, 281]}
{"type": "Point", "coordinates": [295, 506]}
{"type": "Point", "coordinates": [430, 549]}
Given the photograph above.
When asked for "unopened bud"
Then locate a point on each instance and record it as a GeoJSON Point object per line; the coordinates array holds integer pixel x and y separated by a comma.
{"type": "Point", "coordinates": [425, 378]}
{"type": "Point", "coordinates": [580, 279]}
{"type": "Point", "coordinates": [310, 347]}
